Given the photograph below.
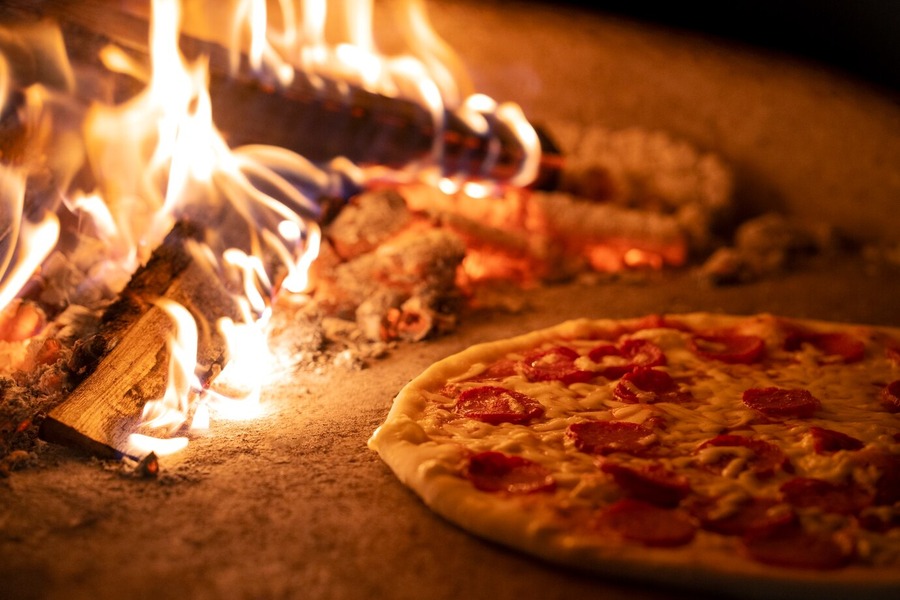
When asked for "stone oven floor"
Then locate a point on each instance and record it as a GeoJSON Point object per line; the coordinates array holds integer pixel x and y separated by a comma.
{"type": "Point", "coordinates": [293, 505]}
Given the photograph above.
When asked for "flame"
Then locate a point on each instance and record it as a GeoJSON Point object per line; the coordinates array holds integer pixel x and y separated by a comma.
{"type": "Point", "coordinates": [169, 413]}
{"type": "Point", "coordinates": [313, 42]}
{"type": "Point", "coordinates": [35, 143]}
{"type": "Point", "coordinates": [141, 445]}
{"type": "Point", "coordinates": [23, 245]}
{"type": "Point", "coordinates": [173, 163]}
{"type": "Point", "coordinates": [236, 392]}
{"type": "Point", "coordinates": [159, 157]}
{"type": "Point", "coordinates": [4, 81]}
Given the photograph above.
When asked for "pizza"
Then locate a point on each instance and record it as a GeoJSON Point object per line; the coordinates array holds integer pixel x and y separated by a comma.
{"type": "Point", "coordinates": [750, 455]}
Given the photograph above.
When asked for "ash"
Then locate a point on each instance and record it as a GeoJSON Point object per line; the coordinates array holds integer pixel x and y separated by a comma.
{"type": "Point", "coordinates": [46, 370]}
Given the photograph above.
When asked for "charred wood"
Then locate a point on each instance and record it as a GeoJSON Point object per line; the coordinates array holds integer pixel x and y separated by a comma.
{"type": "Point", "coordinates": [125, 364]}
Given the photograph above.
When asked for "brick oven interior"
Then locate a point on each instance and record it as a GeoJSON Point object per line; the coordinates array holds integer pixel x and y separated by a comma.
{"type": "Point", "coordinates": [294, 505]}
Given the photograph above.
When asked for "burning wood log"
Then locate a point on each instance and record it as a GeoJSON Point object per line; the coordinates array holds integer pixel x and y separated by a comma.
{"type": "Point", "coordinates": [320, 121]}
{"type": "Point", "coordinates": [126, 363]}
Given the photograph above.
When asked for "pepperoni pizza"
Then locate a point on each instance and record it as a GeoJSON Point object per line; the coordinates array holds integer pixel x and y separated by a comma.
{"type": "Point", "coordinates": [748, 455]}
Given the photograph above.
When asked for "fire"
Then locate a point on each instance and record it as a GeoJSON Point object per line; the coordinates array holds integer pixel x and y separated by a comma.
{"type": "Point", "coordinates": [28, 237]}
{"type": "Point", "coordinates": [159, 158]}
{"type": "Point", "coordinates": [174, 159]}
{"type": "Point", "coordinates": [23, 245]}
{"type": "Point", "coordinates": [169, 413]}
{"type": "Point", "coordinates": [312, 43]}
{"type": "Point", "coordinates": [184, 163]}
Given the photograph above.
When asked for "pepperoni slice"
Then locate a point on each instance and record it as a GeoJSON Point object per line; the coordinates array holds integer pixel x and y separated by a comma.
{"type": "Point", "coordinates": [890, 396]}
{"type": "Point", "coordinates": [780, 402]}
{"type": "Point", "coordinates": [605, 437]}
{"type": "Point", "coordinates": [826, 441]}
{"type": "Point", "coordinates": [808, 492]}
{"type": "Point", "coordinates": [598, 353]}
{"type": "Point", "coordinates": [651, 483]}
{"type": "Point", "coordinates": [794, 547]}
{"type": "Point", "coordinates": [631, 352]}
{"type": "Point", "coordinates": [756, 516]}
{"type": "Point", "coordinates": [763, 458]}
{"type": "Point", "coordinates": [612, 369]}
{"type": "Point", "coordinates": [835, 346]}
{"type": "Point", "coordinates": [892, 352]}
{"type": "Point", "coordinates": [728, 347]}
{"type": "Point", "coordinates": [642, 353]}
{"type": "Point", "coordinates": [555, 364]}
{"type": "Point", "coordinates": [498, 472]}
{"type": "Point", "coordinates": [497, 371]}
{"type": "Point", "coordinates": [495, 405]}
{"type": "Point", "coordinates": [648, 524]}
{"type": "Point", "coordinates": [645, 384]}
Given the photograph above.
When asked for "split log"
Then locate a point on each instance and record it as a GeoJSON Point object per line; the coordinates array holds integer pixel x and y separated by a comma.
{"type": "Point", "coordinates": [126, 363]}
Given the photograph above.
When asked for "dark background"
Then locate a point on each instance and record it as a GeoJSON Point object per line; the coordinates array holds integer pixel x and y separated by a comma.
{"type": "Point", "coordinates": [859, 37]}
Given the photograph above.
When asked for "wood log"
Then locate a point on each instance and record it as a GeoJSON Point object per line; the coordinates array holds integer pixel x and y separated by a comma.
{"type": "Point", "coordinates": [132, 363]}
{"type": "Point", "coordinates": [320, 122]}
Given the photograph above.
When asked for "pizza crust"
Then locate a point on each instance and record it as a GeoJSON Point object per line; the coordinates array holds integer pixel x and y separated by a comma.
{"type": "Point", "coordinates": [431, 468]}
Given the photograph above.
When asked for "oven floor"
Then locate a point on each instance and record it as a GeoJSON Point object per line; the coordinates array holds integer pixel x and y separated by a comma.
{"type": "Point", "coordinates": [293, 505]}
